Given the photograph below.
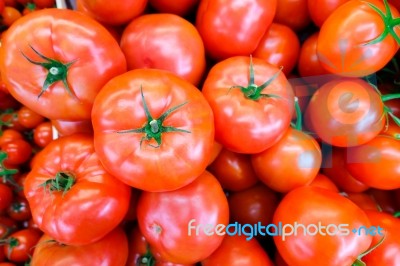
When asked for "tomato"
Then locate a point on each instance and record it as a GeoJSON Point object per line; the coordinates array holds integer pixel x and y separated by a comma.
{"type": "Point", "coordinates": [131, 213]}
{"type": "Point", "coordinates": [395, 3]}
{"type": "Point", "coordinates": [237, 251]}
{"type": "Point", "coordinates": [7, 263]}
{"type": "Point", "coordinates": [296, 149]}
{"type": "Point", "coordinates": [216, 150]}
{"type": "Point", "coordinates": [293, 13]}
{"type": "Point", "coordinates": [68, 56]}
{"type": "Point", "coordinates": [308, 62]}
{"type": "Point", "coordinates": [165, 41]}
{"type": "Point", "coordinates": [376, 163]}
{"type": "Point", "coordinates": [363, 200]}
{"type": "Point", "coordinates": [252, 110]}
{"type": "Point", "coordinates": [346, 47]}
{"type": "Point", "coordinates": [323, 181]}
{"type": "Point", "coordinates": [109, 250]}
{"type": "Point", "coordinates": [334, 166]}
{"type": "Point", "coordinates": [346, 112]}
{"type": "Point", "coordinates": [177, 7]}
{"type": "Point", "coordinates": [233, 170]}
{"type": "Point", "coordinates": [279, 46]}
{"type": "Point", "coordinates": [28, 118]}
{"type": "Point", "coordinates": [384, 199]}
{"type": "Point", "coordinates": [19, 209]}
{"type": "Point", "coordinates": [150, 122]}
{"type": "Point", "coordinates": [43, 134]}
{"type": "Point", "coordinates": [44, 3]}
{"type": "Point", "coordinates": [7, 226]}
{"type": "Point", "coordinates": [7, 101]}
{"type": "Point", "coordinates": [9, 135]}
{"type": "Point", "coordinates": [9, 118]}
{"type": "Point", "coordinates": [253, 205]}
{"type": "Point", "coordinates": [388, 252]}
{"type": "Point", "coordinates": [241, 29]}
{"type": "Point", "coordinates": [68, 185]}
{"type": "Point", "coordinates": [320, 210]}
{"type": "Point", "coordinates": [10, 15]}
{"type": "Point", "coordinates": [6, 197]}
{"type": "Point", "coordinates": [19, 151]}
{"type": "Point", "coordinates": [320, 10]}
{"type": "Point", "coordinates": [21, 244]}
{"type": "Point", "coordinates": [119, 13]}
{"type": "Point", "coordinates": [177, 233]}
{"type": "Point", "coordinates": [66, 128]}
{"type": "Point", "coordinates": [2, 5]}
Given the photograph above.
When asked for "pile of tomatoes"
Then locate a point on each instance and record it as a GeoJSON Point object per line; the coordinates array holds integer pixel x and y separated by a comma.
{"type": "Point", "coordinates": [138, 132]}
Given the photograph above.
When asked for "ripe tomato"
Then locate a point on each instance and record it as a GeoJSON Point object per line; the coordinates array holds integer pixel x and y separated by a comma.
{"type": "Point", "coordinates": [295, 148]}
{"type": "Point", "coordinates": [165, 41]}
{"type": "Point", "coordinates": [6, 197]}
{"type": "Point", "coordinates": [43, 134]}
{"type": "Point", "coordinates": [19, 209]}
{"type": "Point", "coordinates": [68, 56]}
{"type": "Point", "coordinates": [178, 234]}
{"type": "Point", "coordinates": [252, 110]}
{"type": "Point", "coordinates": [239, 32]}
{"type": "Point", "coordinates": [29, 118]}
{"type": "Point", "coordinates": [323, 212]}
{"type": "Point", "coordinates": [376, 163]}
{"type": "Point", "coordinates": [9, 135]}
{"type": "Point", "coordinates": [66, 128]}
{"type": "Point", "coordinates": [150, 122]}
{"type": "Point", "coordinates": [19, 151]}
{"type": "Point", "coordinates": [109, 250]}
{"type": "Point", "coordinates": [320, 10]}
{"type": "Point", "coordinates": [44, 3]}
{"type": "Point", "coordinates": [346, 47]}
{"type": "Point", "coordinates": [293, 13]}
{"type": "Point", "coordinates": [363, 200]}
{"type": "Point", "coordinates": [7, 226]}
{"type": "Point", "coordinates": [10, 15]}
{"type": "Point", "coordinates": [237, 251]}
{"type": "Point", "coordinates": [323, 181]}
{"type": "Point", "coordinates": [279, 46]}
{"type": "Point", "coordinates": [20, 245]}
{"type": "Point", "coordinates": [177, 7]}
{"type": "Point", "coordinates": [233, 170]}
{"type": "Point", "coordinates": [119, 13]}
{"type": "Point", "coordinates": [68, 185]}
{"type": "Point", "coordinates": [346, 112]}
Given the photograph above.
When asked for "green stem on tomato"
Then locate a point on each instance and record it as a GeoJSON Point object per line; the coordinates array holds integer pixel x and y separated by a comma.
{"type": "Point", "coordinates": [299, 117]}
{"type": "Point", "coordinates": [62, 182]}
{"type": "Point", "coordinates": [147, 259]}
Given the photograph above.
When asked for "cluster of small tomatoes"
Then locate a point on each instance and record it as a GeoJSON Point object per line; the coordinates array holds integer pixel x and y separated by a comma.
{"type": "Point", "coordinates": [200, 132]}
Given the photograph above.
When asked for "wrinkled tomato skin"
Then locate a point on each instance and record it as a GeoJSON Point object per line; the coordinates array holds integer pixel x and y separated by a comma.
{"type": "Point", "coordinates": [241, 124]}
{"type": "Point", "coordinates": [95, 54]}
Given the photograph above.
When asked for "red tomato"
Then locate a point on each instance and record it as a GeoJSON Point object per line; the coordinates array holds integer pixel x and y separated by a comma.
{"type": "Point", "coordinates": [119, 13]}
{"type": "Point", "coordinates": [334, 166]}
{"type": "Point", "coordinates": [238, 251]}
{"type": "Point", "coordinates": [9, 135]}
{"type": "Point", "coordinates": [68, 185]}
{"type": "Point", "coordinates": [10, 15]}
{"type": "Point", "coordinates": [256, 107]}
{"type": "Point", "coordinates": [384, 199]}
{"type": "Point", "coordinates": [319, 211]}
{"type": "Point", "coordinates": [217, 148]}
{"type": "Point", "coordinates": [66, 128]}
{"type": "Point", "coordinates": [346, 47]}
{"type": "Point", "coordinates": [231, 28]}
{"type": "Point", "coordinates": [28, 118]}
{"type": "Point", "coordinates": [18, 151]}
{"type": "Point", "coordinates": [376, 163]}
{"type": "Point", "coordinates": [363, 200]}
{"type": "Point", "coordinates": [177, 7]}
{"type": "Point", "coordinates": [165, 41]}
{"type": "Point", "coordinates": [295, 148]}
{"type": "Point", "coordinates": [109, 250]}
{"type": "Point", "coordinates": [68, 56]}
{"type": "Point", "coordinates": [320, 10]}
{"type": "Point", "coordinates": [178, 234]}
{"type": "Point", "coordinates": [323, 181]}
{"type": "Point", "coordinates": [21, 244]}
{"type": "Point", "coordinates": [346, 112]}
{"type": "Point", "coordinates": [293, 13]}
{"type": "Point", "coordinates": [395, 3]}
{"type": "Point", "coordinates": [43, 134]}
{"type": "Point", "coordinates": [233, 170]}
{"type": "Point", "coordinates": [19, 210]}
{"type": "Point", "coordinates": [388, 252]}
{"type": "Point", "coordinates": [279, 46]}
{"type": "Point", "coordinates": [6, 197]}
{"type": "Point", "coordinates": [7, 101]}
{"type": "Point", "coordinates": [44, 3]}
{"type": "Point", "coordinates": [7, 226]}
{"type": "Point", "coordinates": [2, 5]}
{"type": "Point", "coordinates": [150, 122]}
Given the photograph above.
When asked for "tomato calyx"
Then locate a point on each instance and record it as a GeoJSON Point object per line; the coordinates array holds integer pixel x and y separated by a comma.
{"type": "Point", "coordinates": [387, 110]}
{"type": "Point", "coordinates": [12, 242]}
{"type": "Point", "coordinates": [254, 92]}
{"type": "Point", "coordinates": [147, 259]}
{"type": "Point", "coordinates": [6, 121]}
{"type": "Point", "coordinates": [57, 71]}
{"type": "Point", "coordinates": [396, 214]}
{"type": "Point", "coordinates": [359, 261]}
{"type": "Point", "coordinates": [389, 21]}
{"type": "Point", "coordinates": [8, 174]}
{"type": "Point", "coordinates": [63, 181]}
{"type": "Point", "coordinates": [154, 128]}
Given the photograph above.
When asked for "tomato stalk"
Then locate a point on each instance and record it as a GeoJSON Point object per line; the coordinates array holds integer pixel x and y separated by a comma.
{"type": "Point", "coordinates": [57, 71]}
{"type": "Point", "coordinates": [154, 128]}
{"type": "Point", "coordinates": [147, 259]}
{"type": "Point", "coordinates": [254, 92]}
{"type": "Point", "coordinates": [63, 181]}
{"type": "Point", "coordinates": [397, 214]}
{"type": "Point", "coordinates": [7, 174]}
{"type": "Point", "coordinates": [8, 121]}
{"type": "Point", "coordinates": [12, 242]}
{"type": "Point", "coordinates": [359, 261]}
{"type": "Point", "coordinates": [389, 21]}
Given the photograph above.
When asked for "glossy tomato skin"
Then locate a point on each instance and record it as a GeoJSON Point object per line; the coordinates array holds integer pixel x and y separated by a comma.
{"type": "Point", "coordinates": [376, 163]}
{"type": "Point", "coordinates": [279, 46]}
{"type": "Point", "coordinates": [244, 125]}
{"type": "Point", "coordinates": [66, 128]}
{"type": "Point", "coordinates": [293, 13]}
{"type": "Point", "coordinates": [95, 195]}
{"type": "Point", "coordinates": [18, 151]}
{"type": "Point", "coordinates": [320, 10]}
{"type": "Point", "coordinates": [6, 196]}
{"type": "Point", "coordinates": [345, 112]}
{"type": "Point", "coordinates": [110, 250]}
{"type": "Point", "coordinates": [165, 41]}
{"type": "Point", "coordinates": [310, 205]}
{"type": "Point", "coordinates": [180, 157]}
{"type": "Point", "coordinates": [323, 181]}
{"type": "Point", "coordinates": [343, 36]}
{"type": "Point", "coordinates": [43, 134]}
{"type": "Point", "coordinates": [170, 228]}
{"type": "Point", "coordinates": [28, 118]}
{"type": "Point", "coordinates": [177, 7]}
{"type": "Point", "coordinates": [26, 242]}
{"type": "Point", "coordinates": [388, 252]}
{"type": "Point", "coordinates": [236, 251]}
{"type": "Point", "coordinates": [239, 32]}
{"type": "Point", "coordinates": [94, 54]}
